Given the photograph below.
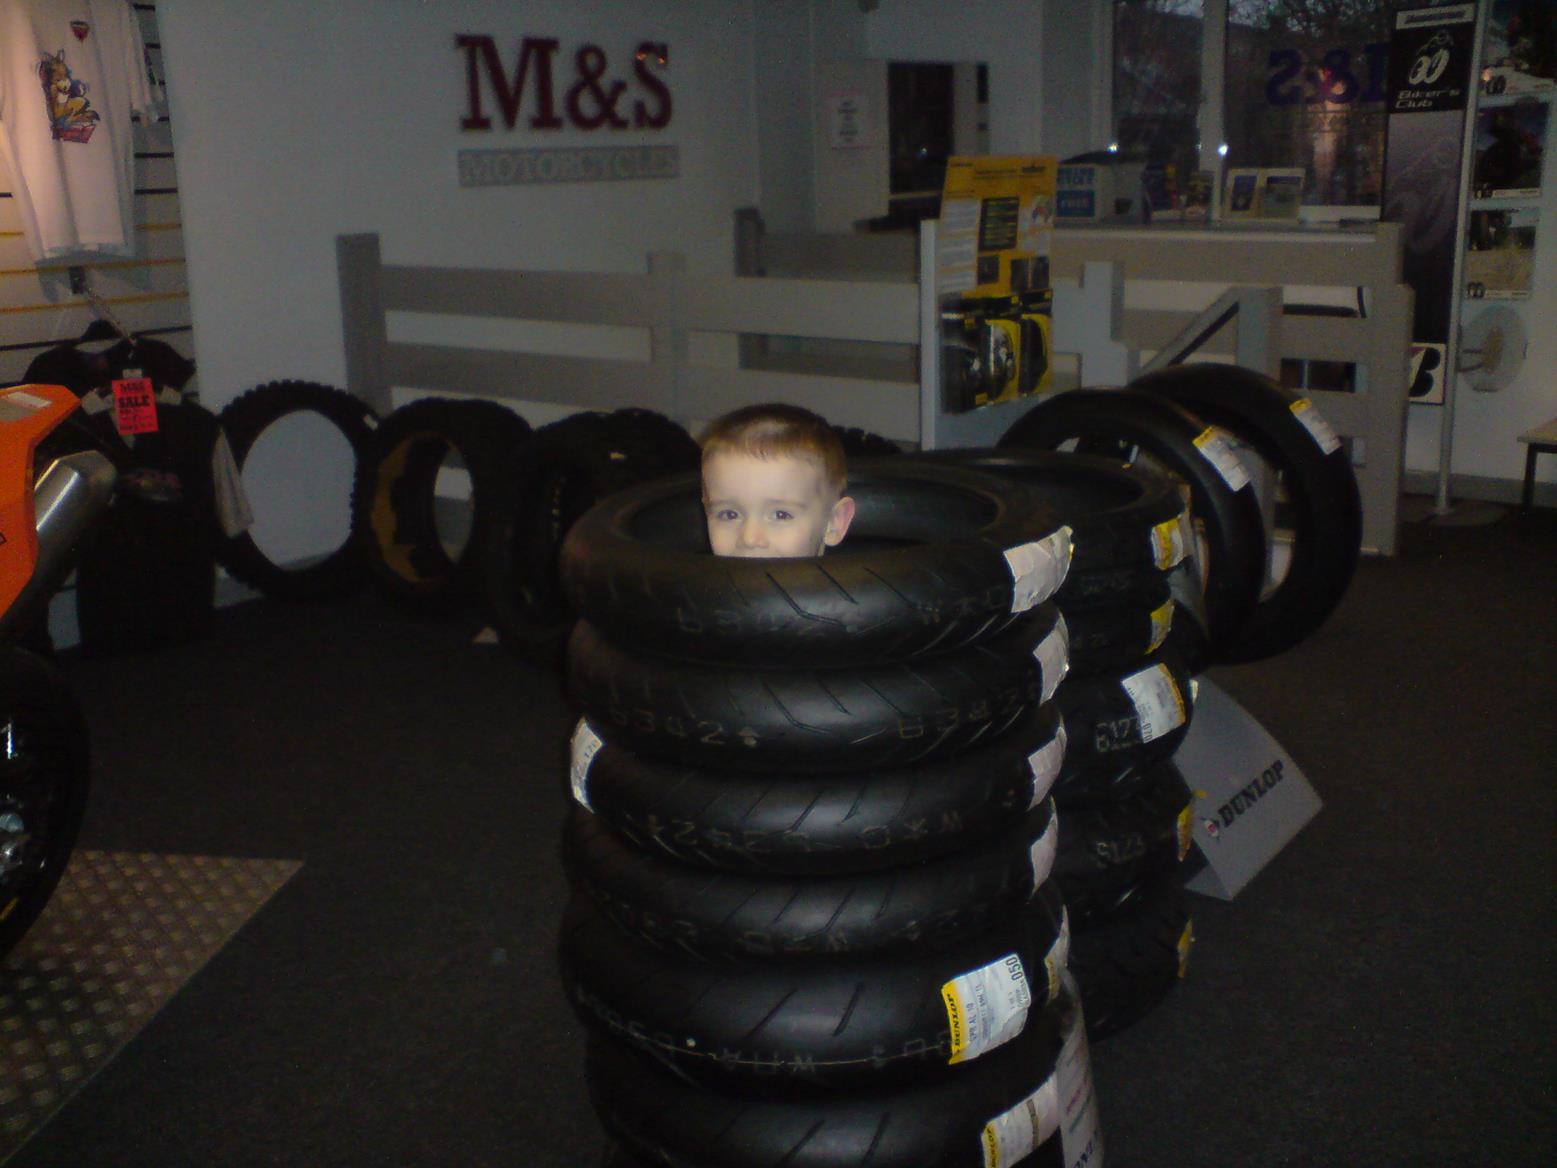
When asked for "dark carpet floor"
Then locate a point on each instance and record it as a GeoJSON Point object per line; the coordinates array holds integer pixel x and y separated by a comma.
{"type": "Point", "coordinates": [1380, 994]}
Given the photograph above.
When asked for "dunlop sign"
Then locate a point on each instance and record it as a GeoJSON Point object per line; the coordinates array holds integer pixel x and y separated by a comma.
{"type": "Point", "coordinates": [567, 164]}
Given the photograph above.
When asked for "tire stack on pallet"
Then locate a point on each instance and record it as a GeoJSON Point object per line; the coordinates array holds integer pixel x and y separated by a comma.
{"type": "Point", "coordinates": [1126, 703]}
{"type": "Point", "coordinates": [812, 922]}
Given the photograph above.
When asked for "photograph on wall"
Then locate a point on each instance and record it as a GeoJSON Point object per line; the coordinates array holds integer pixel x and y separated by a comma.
{"type": "Point", "coordinates": [1500, 254]}
{"type": "Point", "coordinates": [1519, 50]}
{"type": "Point", "coordinates": [1243, 189]}
{"type": "Point", "coordinates": [1281, 193]}
{"type": "Point", "coordinates": [1510, 147]}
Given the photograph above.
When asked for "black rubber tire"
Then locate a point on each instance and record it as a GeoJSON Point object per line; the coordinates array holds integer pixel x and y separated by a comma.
{"type": "Point", "coordinates": [1129, 423]}
{"type": "Point", "coordinates": [568, 466]}
{"type": "Point", "coordinates": [244, 419]}
{"type": "Point", "coordinates": [393, 502]}
{"type": "Point", "coordinates": [720, 916]}
{"type": "Point", "coordinates": [819, 825]}
{"type": "Point", "coordinates": [859, 443]}
{"type": "Point", "coordinates": [1113, 636]}
{"type": "Point", "coordinates": [655, 446]}
{"type": "Point", "coordinates": [1107, 849]}
{"type": "Point", "coordinates": [819, 1023]}
{"type": "Point", "coordinates": [1126, 962]}
{"type": "Point", "coordinates": [1122, 517]}
{"type": "Point", "coordinates": [826, 721]}
{"type": "Point", "coordinates": [1326, 507]}
{"type": "Point", "coordinates": [663, 1120]}
{"type": "Point", "coordinates": [924, 569]}
{"type": "Point", "coordinates": [44, 774]}
{"type": "Point", "coordinates": [1107, 729]}
{"type": "Point", "coordinates": [1089, 786]}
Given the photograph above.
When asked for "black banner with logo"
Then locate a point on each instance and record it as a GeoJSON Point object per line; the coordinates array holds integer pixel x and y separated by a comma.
{"type": "Point", "coordinates": [1431, 63]}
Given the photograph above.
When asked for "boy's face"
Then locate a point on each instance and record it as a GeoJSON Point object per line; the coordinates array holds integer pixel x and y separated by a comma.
{"type": "Point", "coordinates": [776, 507]}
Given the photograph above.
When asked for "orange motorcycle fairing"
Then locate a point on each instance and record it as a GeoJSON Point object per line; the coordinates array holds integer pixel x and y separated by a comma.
{"type": "Point", "coordinates": [27, 414]}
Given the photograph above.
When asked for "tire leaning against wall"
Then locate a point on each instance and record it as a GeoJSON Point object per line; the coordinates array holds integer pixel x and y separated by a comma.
{"type": "Point", "coordinates": [1224, 505]}
{"type": "Point", "coordinates": [244, 419]}
{"type": "Point", "coordinates": [937, 558]}
{"type": "Point", "coordinates": [783, 720]}
{"type": "Point", "coordinates": [1287, 431]}
{"type": "Point", "coordinates": [394, 498]}
{"type": "Point", "coordinates": [818, 825]}
{"type": "Point", "coordinates": [570, 465]}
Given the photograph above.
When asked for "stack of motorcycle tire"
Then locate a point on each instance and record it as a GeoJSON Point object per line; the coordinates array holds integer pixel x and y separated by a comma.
{"type": "Point", "coordinates": [1126, 702]}
{"type": "Point", "coordinates": [813, 919]}
{"type": "Point", "coordinates": [1158, 591]}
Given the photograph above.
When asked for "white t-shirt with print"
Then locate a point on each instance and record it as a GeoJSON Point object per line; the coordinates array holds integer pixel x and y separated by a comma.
{"type": "Point", "coordinates": [71, 74]}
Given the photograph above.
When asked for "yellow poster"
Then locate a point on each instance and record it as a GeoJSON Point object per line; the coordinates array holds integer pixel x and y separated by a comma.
{"type": "Point", "coordinates": [992, 277]}
{"type": "Point", "coordinates": [997, 221]}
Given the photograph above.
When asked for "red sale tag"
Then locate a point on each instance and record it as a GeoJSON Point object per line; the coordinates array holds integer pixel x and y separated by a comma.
{"type": "Point", "coordinates": [135, 406]}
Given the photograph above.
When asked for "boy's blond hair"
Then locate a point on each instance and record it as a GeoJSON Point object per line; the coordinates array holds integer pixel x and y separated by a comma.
{"type": "Point", "coordinates": [778, 430]}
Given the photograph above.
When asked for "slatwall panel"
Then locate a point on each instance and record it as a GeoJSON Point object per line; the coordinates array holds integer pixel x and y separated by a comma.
{"type": "Point", "coordinates": [147, 293]}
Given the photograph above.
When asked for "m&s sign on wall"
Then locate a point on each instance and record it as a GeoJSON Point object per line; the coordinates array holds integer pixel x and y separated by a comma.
{"type": "Point", "coordinates": [537, 86]}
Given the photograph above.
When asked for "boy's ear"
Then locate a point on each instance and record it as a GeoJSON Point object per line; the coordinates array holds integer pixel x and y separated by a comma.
{"type": "Point", "coordinates": [838, 522]}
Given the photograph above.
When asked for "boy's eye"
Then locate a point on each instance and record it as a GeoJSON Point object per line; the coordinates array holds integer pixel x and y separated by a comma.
{"type": "Point", "coordinates": [782, 515]}
{"type": "Point", "coordinates": [725, 514]}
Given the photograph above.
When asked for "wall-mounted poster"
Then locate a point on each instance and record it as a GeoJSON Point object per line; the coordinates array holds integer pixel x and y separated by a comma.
{"type": "Point", "coordinates": [1431, 71]}
{"type": "Point", "coordinates": [1519, 51]}
{"type": "Point", "coordinates": [1500, 254]}
{"type": "Point", "coordinates": [1510, 144]}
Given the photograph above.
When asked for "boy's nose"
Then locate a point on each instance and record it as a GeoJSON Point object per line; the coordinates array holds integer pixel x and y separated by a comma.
{"type": "Point", "coordinates": [753, 534]}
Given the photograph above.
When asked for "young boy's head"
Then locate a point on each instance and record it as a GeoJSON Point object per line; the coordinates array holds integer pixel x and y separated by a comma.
{"type": "Point", "coordinates": [773, 481]}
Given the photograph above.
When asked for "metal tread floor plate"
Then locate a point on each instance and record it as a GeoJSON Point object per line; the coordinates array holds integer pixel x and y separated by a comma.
{"type": "Point", "coordinates": [121, 935]}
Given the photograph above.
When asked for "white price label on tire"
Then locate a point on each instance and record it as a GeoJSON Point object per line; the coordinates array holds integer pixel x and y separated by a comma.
{"type": "Point", "coordinates": [586, 744]}
{"type": "Point", "coordinates": [1043, 851]}
{"type": "Point", "coordinates": [1316, 424]}
{"type": "Point", "coordinates": [1045, 765]}
{"type": "Point", "coordinates": [1215, 449]}
{"type": "Point", "coordinates": [1013, 1135]}
{"type": "Point", "coordinates": [1170, 542]}
{"type": "Point", "coordinates": [1053, 654]}
{"type": "Point", "coordinates": [1158, 703]}
{"type": "Point", "coordinates": [1162, 624]}
{"type": "Point", "coordinates": [1038, 569]}
{"type": "Point", "coordinates": [1058, 957]}
{"type": "Point", "coordinates": [986, 1007]}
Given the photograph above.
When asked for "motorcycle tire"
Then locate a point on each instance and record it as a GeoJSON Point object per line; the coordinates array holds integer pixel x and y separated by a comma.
{"type": "Point", "coordinates": [937, 558]}
{"type": "Point", "coordinates": [44, 774]}
{"type": "Point", "coordinates": [394, 499]}
{"type": "Point", "coordinates": [829, 721]}
{"type": "Point", "coordinates": [1132, 424]}
{"type": "Point", "coordinates": [724, 916]}
{"type": "Point", "coordinates": [1288, 432]}
{"type": "Point", "coordinates": [823, 1023]}
{"type": "Point", "coordinates": [339, 572]}
{"type": "Point", "coordinates": [818, 825]}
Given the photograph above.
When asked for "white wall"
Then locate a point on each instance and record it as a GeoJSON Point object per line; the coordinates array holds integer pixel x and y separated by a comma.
{"type": "Point", "coordinates": [297, 121]}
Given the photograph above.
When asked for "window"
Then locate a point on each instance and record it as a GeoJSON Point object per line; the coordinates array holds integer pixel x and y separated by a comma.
{"type": "Point", "coordinates": [1157, 53]}
{"type": "Point", "coordinates": [1302, 84]}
